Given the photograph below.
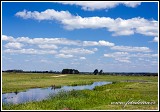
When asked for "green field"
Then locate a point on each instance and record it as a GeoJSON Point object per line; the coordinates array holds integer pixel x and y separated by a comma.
{"type": "Point", "coordinates": [143, 88]}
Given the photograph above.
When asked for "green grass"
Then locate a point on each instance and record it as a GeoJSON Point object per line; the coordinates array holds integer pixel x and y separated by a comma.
{"type": "Point", "coordinates": [98, 99]}
{"type": "Point", "coordinates": [12, 82]}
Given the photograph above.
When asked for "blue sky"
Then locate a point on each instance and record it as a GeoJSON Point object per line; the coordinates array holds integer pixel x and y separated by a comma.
{"type": "Point", "coordinates": [112, 36]}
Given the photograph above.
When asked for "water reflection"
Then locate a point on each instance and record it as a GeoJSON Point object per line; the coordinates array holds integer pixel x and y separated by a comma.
{"type": "Point", "coordinates": [38, 94]}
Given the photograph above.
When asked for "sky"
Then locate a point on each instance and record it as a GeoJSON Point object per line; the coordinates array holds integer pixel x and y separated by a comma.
{"type": "Point", "coordinates": [108, 36]}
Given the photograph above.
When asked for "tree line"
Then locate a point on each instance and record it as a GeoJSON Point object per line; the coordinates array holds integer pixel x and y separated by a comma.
{"type": "Point", "coordinates": [74, 71]}
{"type": "Point", "coordinates": [70, 71]}
{"type": "Point", "coordinates": [96, 72]}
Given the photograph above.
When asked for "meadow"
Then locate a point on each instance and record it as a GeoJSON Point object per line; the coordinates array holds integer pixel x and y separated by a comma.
{"type": "Point", "coordinates": [123, 89]}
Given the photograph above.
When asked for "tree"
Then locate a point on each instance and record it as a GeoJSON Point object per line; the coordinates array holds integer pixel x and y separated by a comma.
{"type": "Point", "coordinates": [65, 71]}
{"type": "Point", "coordinates": [76, 72]}
{"type": "Point", "coordinates": [100, 72]}
{"type": "Point", "coordinates": [95, 72]}
{"type": "Point", "coordinates": [70, 71]}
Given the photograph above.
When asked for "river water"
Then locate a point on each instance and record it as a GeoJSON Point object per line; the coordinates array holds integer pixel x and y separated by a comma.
{"type": "Point", "coordinates": [38, 94]}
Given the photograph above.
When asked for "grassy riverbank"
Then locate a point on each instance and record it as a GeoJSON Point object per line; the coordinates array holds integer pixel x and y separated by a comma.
{"type": "Point", "coordinates": [143, 88]}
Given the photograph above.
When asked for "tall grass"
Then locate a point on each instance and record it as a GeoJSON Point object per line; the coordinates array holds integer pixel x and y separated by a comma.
{"type": "Point", "coordinates": [98, 99]}
{"type": "Point", "coordinates": [12, 82]}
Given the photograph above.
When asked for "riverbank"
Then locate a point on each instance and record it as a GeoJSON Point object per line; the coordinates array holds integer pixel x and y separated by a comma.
{"type": "Point", "coordinates": [101, 98]}
{"type": "Point", "coordinates": [12, 82]}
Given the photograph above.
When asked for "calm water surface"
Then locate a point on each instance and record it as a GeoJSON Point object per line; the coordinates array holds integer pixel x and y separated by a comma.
{"type": "Point", "coordinates": [38, 94]}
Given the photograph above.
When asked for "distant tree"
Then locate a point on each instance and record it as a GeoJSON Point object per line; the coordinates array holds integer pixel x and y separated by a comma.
{"type": "Point", "coordinates": [15, 71]}
{"type": "Point", "coordinates": [95, 72]}
{"type": "Point", "coordinates": [70, 71]}
{"type": "Point", "coordinates": [64, 71]}
{"type": "Point", "coordinates": [100, 72]}
{"type": "Point", "coordinates": [76, 71]}
{"type": "Point", "coordinates": [51, 71]}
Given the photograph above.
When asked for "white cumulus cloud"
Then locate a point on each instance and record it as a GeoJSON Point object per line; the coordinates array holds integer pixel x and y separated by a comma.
{"type": "Point", "coordinates": [99, 43]}
{"type": "Point", "coordinates": [131, 49]}
{"type": "Point", "coordinates": [119, 56]}
{"type": "Point", "coordinates": [7, 38]}
{"type": "Point", "coordinates": [29, 51]}
{"type": "Point", "coordinates": [126, 57]}
{"type": "Point", "coordinates": [64, 56]}
{"type": "Point", "coordinates": [76, 51]}
{"type": "Point", "coordinates": [82, 58]}
{"type": "Point", "coordinates": [105, 43]}
{"type": "Point", "coordinates": [48, 14]}
{"type": "Point", "coordinates": [116, 54]}
{"type": "Point", "coordinates": [42, 41]}
{"type": "Point", "coordinates": [141, 55]}
{"type": "Point", "coordinates": [91, 6]}
{"type": "Point", "coordinates": [13, 45]}
{"type": "Point", "coordinates": [123, 60]}
{"type": "Point", "coordinates": [46, 46]}
{"type": "Point", "coordinates": [90, 43]}
{"type": "Point", "coordinates": [118, 26]}
{"type": "Point", "coordinates": [155, 39]}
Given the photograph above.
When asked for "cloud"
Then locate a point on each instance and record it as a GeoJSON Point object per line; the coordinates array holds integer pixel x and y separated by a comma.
{"type": "Point", "coordinates": [29, 51]}
{"type": "Point", "coordinates": [62, 41]}
{"type": "Point", "coordinates": [91, 6]}
{"type": "Point", "coordinates": [140, 55]}
{"type": "Point", "coordinates": [119, 56]}
{"type": "Point", "coordinates": [116, 54]}
{"type": "Point", "coordinates": [125, 56]}
{"type": "Point", "coordinates": [105, 43]}
{"type": "Point", "coordinates": [155, 39]}
{"type": "Point", "coordinates": [132, 4]}
{"type": "Point", "coordinates": [7, 38]}
{"type": "Point", "coordinates": [150, 28]}
{"type": "Point", "coordinates": [52, 42]}
{"type": "Point", "coordinates": [154, 62]}
{"type": "Point", "coordinates": [131, 49]}
{"type": "Point", "coordinates": [55, 46]}
{"type": "Point", "coordinates": [118, 26]}
{"type": "Point", "coordinates": [123, 60]}
{"type": "Point", "coordinates": [46, 46]}
{"type": "Point", "coordinates": [99, 43]}
{"type": "Point", "coordinates": [24, 40]}
{"type": "Point", "coordinates": [48, 14]}
{"type": "Point", "coordinates": [14, 45]}
{"type": "Point", "coordinates": [90, 43]}
{"type": "Point", "coordinates": [44, 61]}
{"type": "Point", "coordinates": [82, 58]}
{"type": "Point", "coordinates": [94, 49]}
{"type": "Point", "coordinates": [76, 51]}
{"type": "Point", "coordinates": [64, 56]}
{"type": "Point", "coordinates": [42, 41]}
{"type": "Point", "coordinates": [49, 45]}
